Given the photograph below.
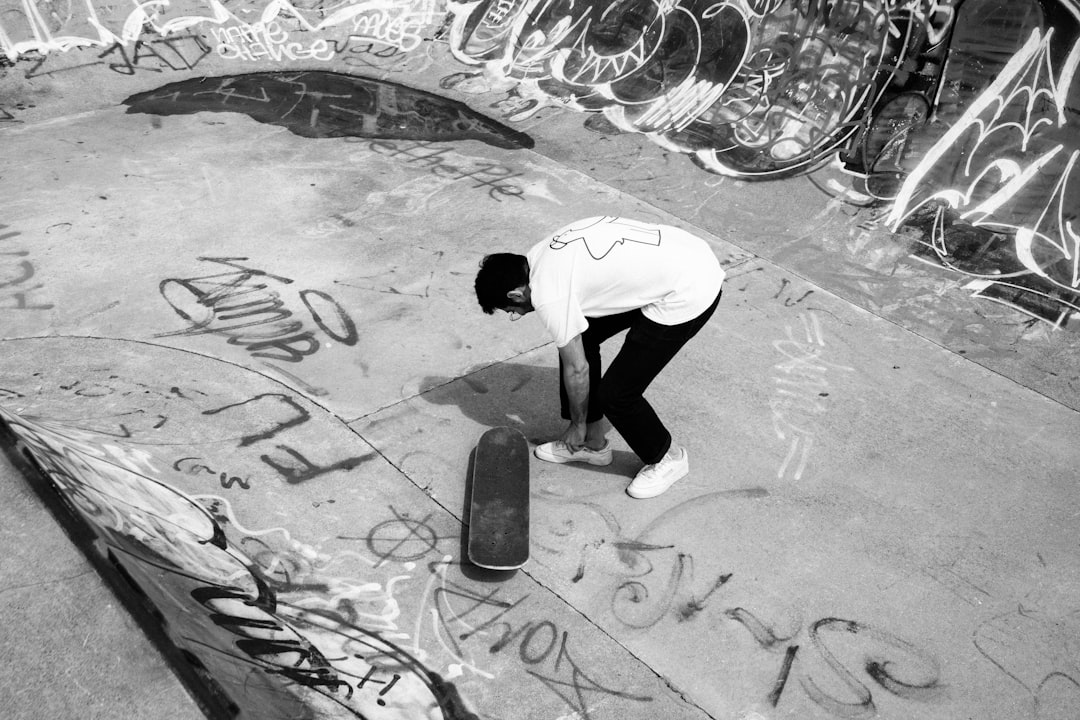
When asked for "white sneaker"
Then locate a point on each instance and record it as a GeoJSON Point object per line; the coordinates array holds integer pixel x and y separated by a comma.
{"type": "Point", "coordinates": [652, 480]}
{"type": "Point", "coordinates": [556, 451]}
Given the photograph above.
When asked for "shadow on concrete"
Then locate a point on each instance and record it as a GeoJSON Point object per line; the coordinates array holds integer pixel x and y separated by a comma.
{"type": "Point", "coordinates": [523, 396]}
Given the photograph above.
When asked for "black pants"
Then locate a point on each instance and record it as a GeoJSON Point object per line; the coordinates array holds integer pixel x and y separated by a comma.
{"type": "Point", "coordinates": [619, 394]}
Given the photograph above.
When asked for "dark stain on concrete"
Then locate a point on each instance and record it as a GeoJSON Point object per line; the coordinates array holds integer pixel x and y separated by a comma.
{"type": "Point", "coordinates": [317, 104]}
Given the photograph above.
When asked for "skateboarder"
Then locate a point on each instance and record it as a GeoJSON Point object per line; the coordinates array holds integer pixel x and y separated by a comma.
{"type": "Point", "coordinates": [588, 281]}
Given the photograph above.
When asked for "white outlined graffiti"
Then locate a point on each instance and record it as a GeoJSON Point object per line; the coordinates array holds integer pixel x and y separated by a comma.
{"type": "Point", "coordinates": [387, 22]}
{"type": "Point", "coordinates": [996, 190]}
{"type": "Point", "coordinates": [801, 389]}
{"type": "Point", "coordinates": [925, 102]}
{"type": "Point", "coordinates": [149, 524]}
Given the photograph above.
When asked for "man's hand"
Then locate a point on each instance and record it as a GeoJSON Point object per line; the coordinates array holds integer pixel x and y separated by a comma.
{"type": "Point", "coordinates": [574, 437]}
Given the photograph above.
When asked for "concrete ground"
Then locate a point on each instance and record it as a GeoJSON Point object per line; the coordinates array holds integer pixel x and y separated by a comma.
{"type": "Point", "coordinates": [254, 366]}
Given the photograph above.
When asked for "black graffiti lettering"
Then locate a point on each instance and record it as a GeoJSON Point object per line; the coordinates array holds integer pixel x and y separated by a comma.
{"type": "Point", "coordinates": [127, 68]}
{"type": "Point", "coordinates": [437, 160]}
{"type": "Point", "coordinates": [538, 643]}
{"type": "Point", "coordinates": [23, 271]}
{"type": "Point", "coordinates": [695, 604]}
{"type": "Point", "coordinates": [788, 302]}
{"type": "Point", "coordinates": [265, 638]}
{"type": "Point", "coordinates": [428, 156]}
{"type": "Point", "coordinates": [253, 333]}
{"type": "Point", "coordinates": [215, 294]}
{"type": "Point", "coordinates": [394, 679]}
{"type": "Point", "coordinates": [202, 49]}
{"type": "Point", "coordinates": [631, 601]}
{"type": "Point", "coordinates": [299, 415]}
{"type": "Point", "coordinates": [496, 181]}
{"type": "Point", "coordinates": [227, 481]}
{"type": "Point", "coordinates": [465, 612]}
{"type": "Point", "coordinates": [21, 303]}
{"type": "Point", "coordinates": [245, 309]}
{"type": "Point", "coordinates": [302, 469]}
{"type": "Point", "coordinates": [191, 468]}
{"type": "Point", "coordinates": [38, 62]}
{"type": "Point", "coordinates": [293, 349]}
{"type": "Point", "coordinates": [99, 390]}
{"type": "Point", "coordinates": [764, 635]}
{"type": "Point", "coordinates": [782, 677]}
{"type": "Point", "coordinates": [208, 306]}
{"type": "Point", "coordinates": [533, 658]}
{"type": "Point", "coordinates": [271, 306]}
{"type": "Point", "coordinates": [923, 684]}
{"type": "Point", "coordinates": [359, 52]}
{"type": "Point", "coordinates": [369, 678]}
{"type": "Point", "coordinates": [344, 328]}
{"type": "Point", "coordinates": [244, 270]}
{"type": "Point", "coordinates": [144, 49]}
{"type": "Point", "coordinates": [510, 634]}
{"type": "Point", "coordinates": [27, 270]}
{"type": "Point", "coordinates": [574, 688]}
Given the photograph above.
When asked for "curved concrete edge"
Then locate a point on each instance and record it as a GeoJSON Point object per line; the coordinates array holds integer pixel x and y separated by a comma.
{"type": "Point", "coordinates": [88, 644]}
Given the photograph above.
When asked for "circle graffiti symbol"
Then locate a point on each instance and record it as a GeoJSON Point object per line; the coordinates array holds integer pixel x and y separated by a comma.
{"type": "Point", "coordinates": [402, 539]}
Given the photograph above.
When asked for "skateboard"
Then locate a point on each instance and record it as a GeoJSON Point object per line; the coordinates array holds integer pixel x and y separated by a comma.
{"type": "Point", "coordinates": [499, 506]}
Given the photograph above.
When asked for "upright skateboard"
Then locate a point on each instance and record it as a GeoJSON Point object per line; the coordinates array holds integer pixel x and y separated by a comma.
{"type": "Point", "coordinates": [499, 507]}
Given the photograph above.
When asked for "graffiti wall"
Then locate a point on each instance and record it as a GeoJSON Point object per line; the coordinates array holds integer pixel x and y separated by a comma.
{"type": "Point", "coordinates": [957, 117]}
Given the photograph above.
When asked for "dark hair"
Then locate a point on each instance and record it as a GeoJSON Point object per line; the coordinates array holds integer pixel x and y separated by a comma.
{"type": "Point", "coordinates": [499, 274]}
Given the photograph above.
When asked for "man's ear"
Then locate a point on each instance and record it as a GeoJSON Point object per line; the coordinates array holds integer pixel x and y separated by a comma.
{"type": "Point", "coordinates": [517, 295]}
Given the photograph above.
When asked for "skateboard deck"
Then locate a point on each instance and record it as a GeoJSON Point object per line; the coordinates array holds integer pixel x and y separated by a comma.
{"type": "Point", "coordinates": [499, 506]}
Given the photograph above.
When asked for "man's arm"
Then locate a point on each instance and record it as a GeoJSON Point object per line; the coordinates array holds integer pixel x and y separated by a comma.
{"type": "Point", "coordinates": [575, 377]}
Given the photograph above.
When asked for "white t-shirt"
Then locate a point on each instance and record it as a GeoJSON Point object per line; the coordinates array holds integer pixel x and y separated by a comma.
{"type": "Point", "coordinates": [607, 265]}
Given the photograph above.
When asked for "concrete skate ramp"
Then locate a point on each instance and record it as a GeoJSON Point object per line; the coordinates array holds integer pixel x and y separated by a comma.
{"type": "Point", "coordinates": [241, 349]}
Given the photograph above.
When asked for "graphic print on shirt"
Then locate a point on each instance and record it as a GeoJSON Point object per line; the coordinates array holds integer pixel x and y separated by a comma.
{"type": "Point", "coordinates": [602, 240]}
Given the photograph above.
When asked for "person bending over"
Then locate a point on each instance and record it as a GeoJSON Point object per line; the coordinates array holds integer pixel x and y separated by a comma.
{"type": "Point", "coordinates": [588, 281]}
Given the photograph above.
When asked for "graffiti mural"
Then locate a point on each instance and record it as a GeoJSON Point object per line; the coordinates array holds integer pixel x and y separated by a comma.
{"type": "Point", "coordinates": [42, 27]}
{"type": "Point", "coordinates": [994, 179]}
{"type": "Point", "coordinates": [755, 90]}
{"type": "Point", "coordinates": [960, 116]}
{"type": "Point", "coordinates": [159, 531]}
